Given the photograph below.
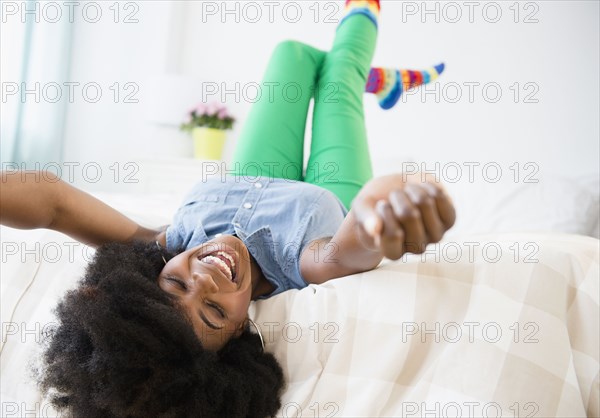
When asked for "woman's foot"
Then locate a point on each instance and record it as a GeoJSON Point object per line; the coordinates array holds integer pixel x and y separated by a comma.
{"type": "Point", "coordinates": [369, 8]}
{"type": "Point", "coordinates": [388, 84]}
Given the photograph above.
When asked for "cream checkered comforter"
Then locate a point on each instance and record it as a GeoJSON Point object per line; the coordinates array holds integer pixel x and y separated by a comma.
{"type": "Point", "coordinates": [503, 325]}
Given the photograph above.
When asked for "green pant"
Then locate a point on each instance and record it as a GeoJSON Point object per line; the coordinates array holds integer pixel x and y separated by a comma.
{"type": "Point", "coordinates": [272, 139]}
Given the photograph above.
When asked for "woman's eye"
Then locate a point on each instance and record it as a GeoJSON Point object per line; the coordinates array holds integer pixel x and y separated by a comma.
{"type": "Point", "coordinates": [218, 309]}
{"type": "Point", "coordinates": [178, 282]}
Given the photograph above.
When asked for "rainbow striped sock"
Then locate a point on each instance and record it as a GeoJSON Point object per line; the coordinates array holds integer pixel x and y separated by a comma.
{"type": "Point", "coordinates": [388, 84]}
{"type": "Point", "coordinates": [369, 8]}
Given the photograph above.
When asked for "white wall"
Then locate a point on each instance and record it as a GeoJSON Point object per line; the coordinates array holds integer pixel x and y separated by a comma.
{"type": "Point", "coordinates": [106, 53]}
{"type": "Point", "coordinates": [559, 54]}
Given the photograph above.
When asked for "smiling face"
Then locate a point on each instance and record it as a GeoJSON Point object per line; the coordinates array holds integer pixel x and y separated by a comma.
{"type": "Point", "coordinates": [212, 283]}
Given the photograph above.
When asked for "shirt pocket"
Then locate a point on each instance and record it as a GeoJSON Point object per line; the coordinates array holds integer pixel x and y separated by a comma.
{"type": "Point", "coordinates": [206, 197]}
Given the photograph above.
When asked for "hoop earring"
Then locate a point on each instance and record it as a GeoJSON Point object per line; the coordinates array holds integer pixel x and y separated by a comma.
{"type": "Point", "coordinates": [160, 248]}
{"type": "Point", "coordinates": [259, 333]}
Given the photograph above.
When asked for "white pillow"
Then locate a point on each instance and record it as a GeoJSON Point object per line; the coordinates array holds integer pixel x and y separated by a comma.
{"type": "Point", "coordinates": [557, 203]}
{"type": "Point", "coordinates": [554, 203]}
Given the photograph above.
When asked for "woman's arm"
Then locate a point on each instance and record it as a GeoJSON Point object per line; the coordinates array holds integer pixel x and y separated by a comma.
{"type": "Point", "coordinates": [33, 199]}
{"type": "Point", "coordinates": [392, 215]}
{"type": "Point", "coordinates": [339, 256]}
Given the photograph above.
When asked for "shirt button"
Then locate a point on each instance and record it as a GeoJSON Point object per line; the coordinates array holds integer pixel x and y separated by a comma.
{"type": "Point", "coordinates": [248, 205]}
{"type": "Point", "coordinates": [218, 235]}
{"type": "Point", "coordinates": [257, 185]}
{"type": "Point", "coordinates": [237, 225]}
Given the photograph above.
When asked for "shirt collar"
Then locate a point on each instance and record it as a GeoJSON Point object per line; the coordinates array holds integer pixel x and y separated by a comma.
{"type": "Point", "coordinates": [261, 245]}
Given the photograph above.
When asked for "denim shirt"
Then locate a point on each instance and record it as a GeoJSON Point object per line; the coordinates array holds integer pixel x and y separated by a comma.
{"type": "Point", "coordinates": [275, 218]}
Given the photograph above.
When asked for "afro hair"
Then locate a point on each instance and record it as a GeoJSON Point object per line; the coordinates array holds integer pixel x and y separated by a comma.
{"type": "Point", "coordinates": [122, 348]}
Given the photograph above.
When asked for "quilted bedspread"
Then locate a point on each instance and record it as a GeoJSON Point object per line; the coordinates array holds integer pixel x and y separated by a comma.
{"type": "Point", "coordinates": [502, 325]}
{"type": "Point", "coordinates": [489, 325]}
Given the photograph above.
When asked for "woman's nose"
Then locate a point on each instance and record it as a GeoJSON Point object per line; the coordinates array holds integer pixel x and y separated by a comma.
{"type": "Point", "coordinates": [204, 282]}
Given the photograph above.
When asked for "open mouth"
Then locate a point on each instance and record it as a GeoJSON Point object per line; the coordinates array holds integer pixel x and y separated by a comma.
{"type": "Point", "coordinates": [224, 262]}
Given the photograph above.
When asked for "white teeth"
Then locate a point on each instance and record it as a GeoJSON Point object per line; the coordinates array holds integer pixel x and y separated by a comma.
{"type": "Point", "coordinates": [210, 259]}
{"type": "Point", "coordinates": [213, 259]}
{"type": "Point", "coordinates": [230, 258]}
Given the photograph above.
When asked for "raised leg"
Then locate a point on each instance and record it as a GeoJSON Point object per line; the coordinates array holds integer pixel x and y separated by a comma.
{"type": "Point", "coordinates": [272, 139]}
{"type": "Point", "coordinates": [339, 157]}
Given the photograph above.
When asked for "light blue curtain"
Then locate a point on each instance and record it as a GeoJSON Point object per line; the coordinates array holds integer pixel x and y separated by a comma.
{"type": "Point", "coordinates": [33, 117]}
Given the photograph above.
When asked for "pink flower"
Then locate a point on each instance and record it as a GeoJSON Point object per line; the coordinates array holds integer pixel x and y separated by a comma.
{"type": "Point", "coordinates": [223, 113]}
{"type": "Point", "coordinates": [213, 108]}
{"type": "Point", "coordinates": [201, 109]}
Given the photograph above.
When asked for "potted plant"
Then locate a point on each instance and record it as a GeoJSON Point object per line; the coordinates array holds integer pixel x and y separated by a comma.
{"type": "Point", "coordinates": [207, 124]}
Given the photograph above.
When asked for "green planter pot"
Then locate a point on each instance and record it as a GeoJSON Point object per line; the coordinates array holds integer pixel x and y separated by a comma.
{"type": "Point", "coordinates": [208, 143]}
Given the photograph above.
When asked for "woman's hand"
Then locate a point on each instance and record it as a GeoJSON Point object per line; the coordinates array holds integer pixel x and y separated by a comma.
{"type": "Point", "coordinates": [390, 216]}
{"type": "Point", "coordinates": [399, 213]}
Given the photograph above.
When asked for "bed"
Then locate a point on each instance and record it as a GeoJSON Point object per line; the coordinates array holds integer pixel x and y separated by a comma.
{"type": "Point", "coordinates": [499, 319]}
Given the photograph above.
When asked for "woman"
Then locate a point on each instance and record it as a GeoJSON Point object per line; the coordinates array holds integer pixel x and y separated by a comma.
{"type": "Point", "coordinates": [159, 324]}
